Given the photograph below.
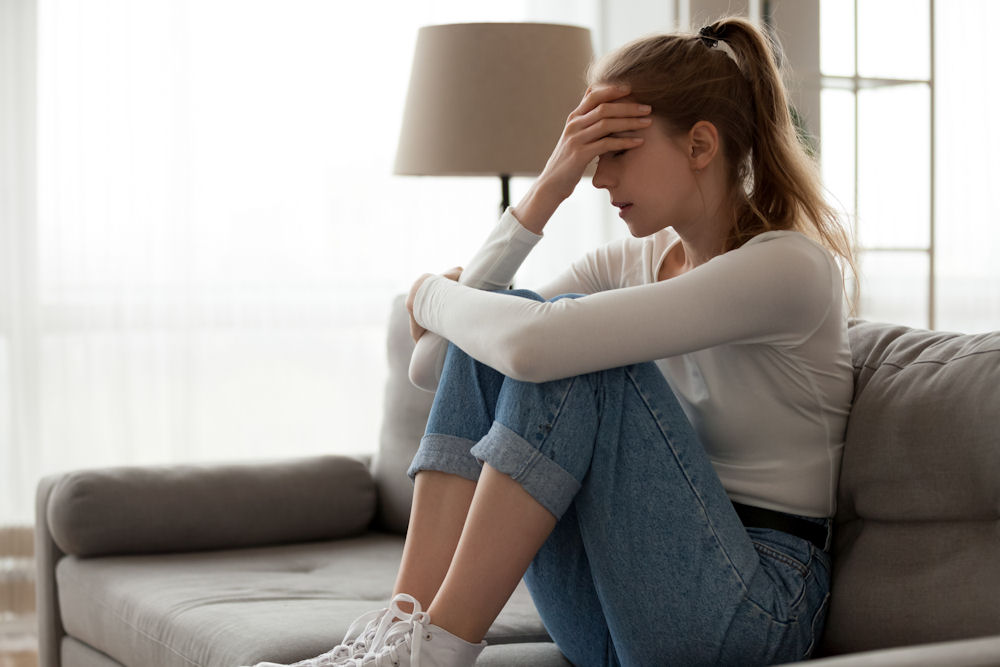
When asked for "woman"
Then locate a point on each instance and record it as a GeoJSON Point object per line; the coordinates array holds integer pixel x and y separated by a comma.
{"type": "Point", "coordinates": [658, 457]}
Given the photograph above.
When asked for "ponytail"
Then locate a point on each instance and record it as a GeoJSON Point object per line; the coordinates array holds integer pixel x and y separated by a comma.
{"type": "Point", "coordinates": [728, 74]}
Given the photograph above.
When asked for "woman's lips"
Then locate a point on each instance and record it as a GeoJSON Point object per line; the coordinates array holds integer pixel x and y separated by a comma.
{"type": "Point", "coordinates": [623, 206]}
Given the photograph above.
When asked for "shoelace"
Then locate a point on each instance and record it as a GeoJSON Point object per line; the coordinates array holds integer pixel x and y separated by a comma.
{"type": "Point", "coordinates": [391, 635]}
{"type": "Point", "coordinates": [355, 644]}
{"type": "Point", "coordinates": [332, 658]}
{"type": "Point", "coordinates": [359, 637]}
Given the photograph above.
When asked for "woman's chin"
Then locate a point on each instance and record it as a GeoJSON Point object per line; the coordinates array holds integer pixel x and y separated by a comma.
{"type": "Point", "coordinates": [639, 230]}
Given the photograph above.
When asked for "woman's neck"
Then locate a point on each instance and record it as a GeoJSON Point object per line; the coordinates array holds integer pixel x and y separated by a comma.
{"type": "Point", "coordinates": [712, 221]}
{"type": "Point", "coordinates": [699, 242]}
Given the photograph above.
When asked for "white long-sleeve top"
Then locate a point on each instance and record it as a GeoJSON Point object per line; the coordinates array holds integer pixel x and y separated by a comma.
{"type": "Point", "coordinates": [753, 343]}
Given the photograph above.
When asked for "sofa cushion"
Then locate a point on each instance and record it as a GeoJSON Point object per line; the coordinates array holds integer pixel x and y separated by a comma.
{"type": "Point", "coordinates": [186, 508]}
{"type": "Point", "coordinates": [917, 548]}
{"type": "Point", "coordinates": [228, 608]}
{"type": "Point", "coordinates": [404, 418]}
{"type": "Point", "coordinates": [77, 654]}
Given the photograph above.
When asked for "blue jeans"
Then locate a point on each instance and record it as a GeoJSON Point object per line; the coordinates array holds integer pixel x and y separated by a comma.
{"type": "Point", "coordinates": [648, 563]}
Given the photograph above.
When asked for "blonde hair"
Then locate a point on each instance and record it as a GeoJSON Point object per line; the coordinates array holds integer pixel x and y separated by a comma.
{"type": "Point", "coordinates": [729, 77]}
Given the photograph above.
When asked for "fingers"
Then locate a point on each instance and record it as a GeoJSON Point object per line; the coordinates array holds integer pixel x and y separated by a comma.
{"type": "Point", "coordinates": [600, 94]}
{"type": "Point", "coordinates": [615, 144]}
{"type": "Point", "coordinates": [606, 126]}
{"type": "Point", "coordinates": [416, 331]}
{"type": "Point", "coordinates": [615, 111]}
{"type": "Point", "coordinates": [589, 133]}
{"type": "Point", "coordinates": [602, 113]}
{"type": "Point", "coordinates": [453, 273]}
{"type": "Point", "coordinates": [603, 136]}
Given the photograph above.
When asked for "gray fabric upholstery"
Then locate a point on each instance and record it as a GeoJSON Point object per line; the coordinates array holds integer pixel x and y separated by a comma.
{"type": "Point", "coordinates": [227, 608]}
{"type": "Point", "coordinates": [78, 654]}
{"type": "Point", "coordinates": [917, 547]}
{"type": "Point", "coordinates": [978, 652]}
{"type": "Point", "coordinates": [406, 409]}
{"type": "Point", "coordinates": [538, 654]}
{"type": "Point", "coordinates": [916, 550]}
{"type": "Point", "coordinates": [188, 508]}
{"type": "Point", "coordinates": [152, 605]}
{"type": "Point", "coordinates": [535, 654]}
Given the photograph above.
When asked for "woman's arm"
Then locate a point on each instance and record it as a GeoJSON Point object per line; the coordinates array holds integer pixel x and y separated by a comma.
{"type": "Point", "coordinates": [776, 289]}
{"type": "Point", "coordinates": [493, 268]}
{"type": "Point", "coordinates": [587, 135]}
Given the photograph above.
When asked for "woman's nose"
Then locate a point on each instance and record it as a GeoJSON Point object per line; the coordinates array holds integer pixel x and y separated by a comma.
{"type": "Point", "coordinates": [602, 175]}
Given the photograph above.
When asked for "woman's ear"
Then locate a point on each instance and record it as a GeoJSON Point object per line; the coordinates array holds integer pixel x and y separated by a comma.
{"type": "Point", "coordinates": [703, 144]}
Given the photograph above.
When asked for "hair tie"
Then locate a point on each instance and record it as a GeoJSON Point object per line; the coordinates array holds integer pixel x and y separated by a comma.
{"type": "Point", "coordinates": [707, 35]}
{"type": "Point", "coordinates": [714, 38]}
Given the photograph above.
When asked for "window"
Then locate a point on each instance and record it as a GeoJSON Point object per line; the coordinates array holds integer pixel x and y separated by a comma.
{"type": "Point", "coordinates": [907, 104]}
{"type": "Point", "coordinates": [204, 233]}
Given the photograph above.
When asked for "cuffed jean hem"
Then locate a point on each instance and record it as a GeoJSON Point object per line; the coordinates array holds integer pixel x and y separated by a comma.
{"type": "Point", "coordinates": [544, 479]}
{"type": "Point", "coordinates": [445, 453]}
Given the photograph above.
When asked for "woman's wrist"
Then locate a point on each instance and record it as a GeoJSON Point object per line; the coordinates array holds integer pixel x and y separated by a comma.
{"type": "Point", "coordinates": [537, 206]}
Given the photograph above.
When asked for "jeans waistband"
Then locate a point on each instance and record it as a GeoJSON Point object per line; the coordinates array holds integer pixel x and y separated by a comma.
{"type": "Point", "coordinates": [758, 517]}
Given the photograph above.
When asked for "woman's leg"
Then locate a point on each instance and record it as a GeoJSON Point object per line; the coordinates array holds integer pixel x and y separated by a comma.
{"type": "Point", "coordinates": [440, 506]}
{"type": "Point", "coordinates": [462, 413]}
{"type": "Point", "coordinates": [503, 535]}
{"type": "Point", "coordinates": [561, 582]}
{"type": "Point", "coordinates": [506, 525]}
{"type": "Point", "coordinates": [665, 558]}
{"type": "Point", "coordinates": [504, 531]}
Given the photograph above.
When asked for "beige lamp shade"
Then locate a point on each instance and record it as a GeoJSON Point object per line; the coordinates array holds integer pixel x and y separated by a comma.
{"type": "Point", "coordinates": [490, 98]}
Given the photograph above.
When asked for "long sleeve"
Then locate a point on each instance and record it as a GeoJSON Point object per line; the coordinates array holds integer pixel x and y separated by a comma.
{"type": "Point", "coordinates": [777, 288]}
{"type": "Point", "coordinates": [492, 268]}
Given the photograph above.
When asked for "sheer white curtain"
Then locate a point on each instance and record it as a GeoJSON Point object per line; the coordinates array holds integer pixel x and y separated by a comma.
{"type": "Point", "coordinates": [218, 235]}
{"type": "Point", "coordinates": [888, 121]}
{"type": "Point", "coordinates": [967, 142]}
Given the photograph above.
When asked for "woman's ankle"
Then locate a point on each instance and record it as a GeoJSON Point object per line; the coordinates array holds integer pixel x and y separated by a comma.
{"type": "Point", "coordinates": [462, 626]}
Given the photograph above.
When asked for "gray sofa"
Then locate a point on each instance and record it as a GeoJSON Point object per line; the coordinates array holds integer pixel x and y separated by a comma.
{"type": "Point", "coordinates": [225, 565]}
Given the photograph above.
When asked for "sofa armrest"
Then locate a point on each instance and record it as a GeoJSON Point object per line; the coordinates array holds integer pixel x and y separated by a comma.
{"type": "Point", "coordinates": [47, 555]}
{"type": "Point", "coordinates": [978, 652]}
{"type": "Point", "coordinates": [132, 510]}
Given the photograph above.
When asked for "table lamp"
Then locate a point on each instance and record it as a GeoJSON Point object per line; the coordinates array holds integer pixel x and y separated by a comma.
{"type": "Point", "coordinates": [490, 98]}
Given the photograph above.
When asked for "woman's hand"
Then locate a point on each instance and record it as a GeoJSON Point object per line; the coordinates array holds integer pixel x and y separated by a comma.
{"type": "Point", "coordinates": [587, 135]}
{"type": "Point", "coordinates": [416, 331]}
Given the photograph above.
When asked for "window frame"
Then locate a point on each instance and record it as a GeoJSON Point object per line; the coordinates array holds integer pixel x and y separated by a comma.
{"type": "Point", "coordinates": [854, 84]}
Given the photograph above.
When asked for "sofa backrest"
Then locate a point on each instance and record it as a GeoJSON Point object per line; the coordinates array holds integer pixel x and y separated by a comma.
{"type": "Point", "coordinates": [917, 537]}
{"type": "Point", "coordinates": [405, 411]}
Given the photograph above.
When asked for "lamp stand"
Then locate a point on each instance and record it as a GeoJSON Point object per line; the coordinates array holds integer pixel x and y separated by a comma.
{"type": "Point", "coordinates": [504, 192]}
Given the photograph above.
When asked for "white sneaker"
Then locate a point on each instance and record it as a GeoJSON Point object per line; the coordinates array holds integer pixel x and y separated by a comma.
{"type": "Point", "coordinates": [357, 642]}
{"type": "Point", "coordinates": [413, 641]}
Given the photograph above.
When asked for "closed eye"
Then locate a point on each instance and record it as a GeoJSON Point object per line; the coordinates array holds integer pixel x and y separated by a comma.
{"type": "Point", "coordinates": [621, 152]}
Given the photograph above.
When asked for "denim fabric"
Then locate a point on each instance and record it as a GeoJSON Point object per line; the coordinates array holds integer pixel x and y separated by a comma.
{"type": "Point", "coordinates": [648, 563]}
